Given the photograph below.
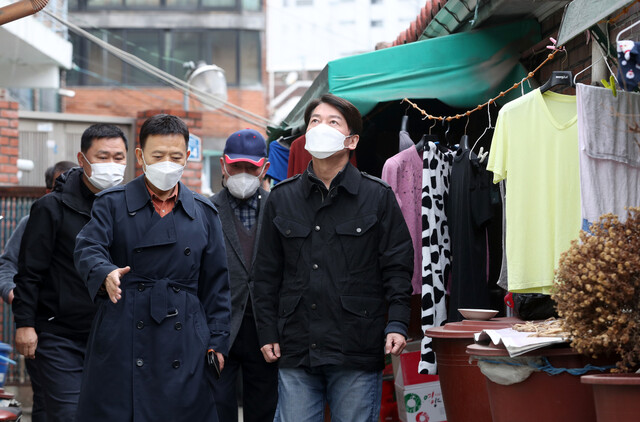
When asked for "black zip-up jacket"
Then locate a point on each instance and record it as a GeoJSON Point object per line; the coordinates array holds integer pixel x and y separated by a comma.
{"type": "Point", "coordinates": [49, 293]}
{"type": "Point", "coordinates": [333, 272]}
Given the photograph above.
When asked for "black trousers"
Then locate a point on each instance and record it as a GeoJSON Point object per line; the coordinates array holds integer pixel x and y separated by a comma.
{"type": "Point", "coordinates": [60, 361]}
{"type": "Point", "coordinates": [259, 379]}
{"type": "Point", "coordinates": [37, 411]}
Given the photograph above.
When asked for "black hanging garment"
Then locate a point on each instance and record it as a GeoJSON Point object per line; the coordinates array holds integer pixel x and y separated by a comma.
{"type": "Point", "coordinates": [469, 211]}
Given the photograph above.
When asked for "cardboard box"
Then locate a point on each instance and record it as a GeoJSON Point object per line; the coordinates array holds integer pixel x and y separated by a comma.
{"type": "Point", "coordinates": [418, 395]}
{"type": "Point", "coordinates": [405, 366]}
{"type": "Point", "coordinates": [420, 402]}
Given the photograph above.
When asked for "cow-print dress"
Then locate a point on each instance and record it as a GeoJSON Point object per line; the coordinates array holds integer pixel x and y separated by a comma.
{"type": "Point", "coordinates": [436, 246]}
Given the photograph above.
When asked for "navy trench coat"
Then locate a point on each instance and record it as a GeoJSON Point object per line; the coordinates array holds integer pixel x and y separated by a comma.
{"type": "Point", "coordinates": [146, 354]}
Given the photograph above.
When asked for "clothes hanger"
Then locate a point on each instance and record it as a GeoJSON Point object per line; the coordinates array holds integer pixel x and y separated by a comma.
{"type": "Point", "coordinates": [483, 154]}
{"type": "Point", "coordinates": [611, 83]}
{"type": "Point", "coordinates": [426, 137]}
{"type": "Point", "coordinates": [625, 30]}
{"type": "Point", "coordinates": [464, 140]}
{"type": "Point", "coordinates": [558, 78]}
{"type": "Point", "coordinates": [405, 120]}
{"type": "Point", "coordinates": [575, 77]}
{"type": "Point", "coordinates": [446, 133]}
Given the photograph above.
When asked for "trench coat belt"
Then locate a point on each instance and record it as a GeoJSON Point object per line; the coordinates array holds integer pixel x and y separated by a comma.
{"type": "Point", "coordinates": [159, 297]}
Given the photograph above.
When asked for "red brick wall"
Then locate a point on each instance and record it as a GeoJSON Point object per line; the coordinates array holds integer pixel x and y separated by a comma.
{"type": "Point", "coordinates": [193, 119]}
{"type": "Point", "coordinates": [120, 101]}
{"type": "Point", "coordinates": [8, 143]}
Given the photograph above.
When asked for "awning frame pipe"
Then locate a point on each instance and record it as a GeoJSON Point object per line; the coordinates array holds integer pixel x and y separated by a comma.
{"type": "Point", "coordinates": [20, 9]}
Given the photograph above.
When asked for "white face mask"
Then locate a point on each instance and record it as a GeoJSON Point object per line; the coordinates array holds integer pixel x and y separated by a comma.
{"type": "Point", "coordinates": [242, 185]}
{"type": "Point", "coordinates": [163, 175]}
{"type": "Point", "coordinates": [105, 175]}
{"type": "Point", "coordinates": [323, 141]}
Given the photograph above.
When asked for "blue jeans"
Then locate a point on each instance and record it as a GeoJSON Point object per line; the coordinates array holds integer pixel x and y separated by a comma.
{"type": "Point", "coordinates": [353, 395]}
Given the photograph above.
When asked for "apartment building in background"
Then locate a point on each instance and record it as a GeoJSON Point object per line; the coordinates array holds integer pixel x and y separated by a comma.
{"type": "Point", "coordinates": [168, 34]}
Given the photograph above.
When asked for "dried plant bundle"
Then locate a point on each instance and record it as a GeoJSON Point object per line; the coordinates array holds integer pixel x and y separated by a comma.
{"type": "Point", "coordinates": [597, 289]}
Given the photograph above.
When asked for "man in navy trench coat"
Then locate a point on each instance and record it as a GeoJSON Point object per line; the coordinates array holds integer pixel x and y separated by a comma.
{"type": "Point", "coordinates": [146, 356]}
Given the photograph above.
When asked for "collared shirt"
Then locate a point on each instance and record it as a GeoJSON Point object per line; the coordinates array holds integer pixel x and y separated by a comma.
{"type": "Point", "coordinates": [163, 207]}
{"type": "Point", "coordinates": [245, 210]}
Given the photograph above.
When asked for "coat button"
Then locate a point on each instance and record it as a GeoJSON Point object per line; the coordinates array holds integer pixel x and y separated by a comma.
{"type": "Point", "coordinates": [187, 251]}
{"type": "Point", "coordinates": [314, 306]}
{"type": "Point", "coordinates": [132, 213]}
{"type": "Point", "coordinates": [141, 287]}
{"type": "Point", "coordinates": [314, 266]}
{"type": "Point", "coordinates": [137, 250]}
{"type": "Point", "coordinates": [178, 326]}
{"type": "Point", "coordinates": [313, 345]}
{"type": "Point", "coordinates": [358, 230]}
{"type": "Point", "coordinates": [140, 325]}
{"type": "Point", "coordinates": [175, 289]}
{"type": "Point", "coordinates": [139, 363]}
{"type": "Point", "coordinates": [317, 228]}
{"type": "Point", "coordinates": [288, 231]}
{"type": "Point", "coordinates": [176, 364]}
{"type": "Point", "coordinates": [366, 313]}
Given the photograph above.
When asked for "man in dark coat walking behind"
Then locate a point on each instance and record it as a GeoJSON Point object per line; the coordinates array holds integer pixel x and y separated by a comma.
{"type": "Point", "coordinates": [240, 203]}
{"type": "Point", "coordinates": [154, 260]}
{"type": "Point", "coordinates": [51, 307]}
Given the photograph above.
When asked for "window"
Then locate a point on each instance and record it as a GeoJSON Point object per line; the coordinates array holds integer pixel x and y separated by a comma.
{"type": "Point", "coordinates": [239, 53]}
{"type": "Point", "coordinates": [185, 46]}
{"type": "Point", "coordinates": [211, 172]}
{"type": "Point", "coordinates": [97, 4]}
{"type": "Point", "coordinates": [253, 5]}
{"type": "Point", "coordinates": [182, 4]}
{"type": "Point", "coordinates": [142, 4]}
{"type": "Point", "coordinates": [146, 45]}
{"type": "Point", "coordinates": [219, 3]}
{"type": "Point", "coordinates": [376, 24]}
{"type": "Point", "coordinates": [232, 5]}
{"type": "Point", "coordinates": [224, 53]}
{"type": "Point", "coordinates": [250, 57]}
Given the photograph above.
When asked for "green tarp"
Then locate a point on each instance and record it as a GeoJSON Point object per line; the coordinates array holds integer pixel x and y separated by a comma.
{"type": "Point", "coordinates": [461, 70]}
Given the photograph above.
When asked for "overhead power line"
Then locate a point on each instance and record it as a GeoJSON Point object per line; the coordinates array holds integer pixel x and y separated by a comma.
{"type": "Point", "coordinates": [203, 96]}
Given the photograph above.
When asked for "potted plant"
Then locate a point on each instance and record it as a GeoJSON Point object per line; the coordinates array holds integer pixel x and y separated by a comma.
{"type": "Point", "coordinates": [597, 292]}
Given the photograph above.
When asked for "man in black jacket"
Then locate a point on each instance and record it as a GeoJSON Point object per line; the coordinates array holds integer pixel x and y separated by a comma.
{"type": "Point", "coordinates": [333, 277]}
{"type": "Point", "coordinates": [51, 305]}
{"type": "Point", "coordinates": [8, 270]}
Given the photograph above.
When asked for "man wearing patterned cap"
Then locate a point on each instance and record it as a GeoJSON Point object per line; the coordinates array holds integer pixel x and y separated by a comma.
{"type": "Point", "coordinates": [244, 166]}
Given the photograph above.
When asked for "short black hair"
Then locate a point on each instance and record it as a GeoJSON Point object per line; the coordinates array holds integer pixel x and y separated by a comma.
{"type": "Point", "coordinates": [164, 124]}
{"type": "Point", "coordinates": [348, 111]}
{"type": "Point", "coordinates": [101, 131]}
{"type": "Point", "coordinates": [59, 167]}
{"type": "Point", "coordinates": [48, 177]}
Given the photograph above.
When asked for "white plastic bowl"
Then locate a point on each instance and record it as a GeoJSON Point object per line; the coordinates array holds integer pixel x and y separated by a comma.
{"type": "Point", "coordinates": [478, 314]}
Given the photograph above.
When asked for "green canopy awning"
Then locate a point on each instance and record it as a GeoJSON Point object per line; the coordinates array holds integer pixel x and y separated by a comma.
{"type": "Point", "coordinates": [461, 70]}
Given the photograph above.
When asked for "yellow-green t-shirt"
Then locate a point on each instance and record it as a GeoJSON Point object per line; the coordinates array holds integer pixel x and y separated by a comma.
{"type": "Point", "coordinates": [535, 148]}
